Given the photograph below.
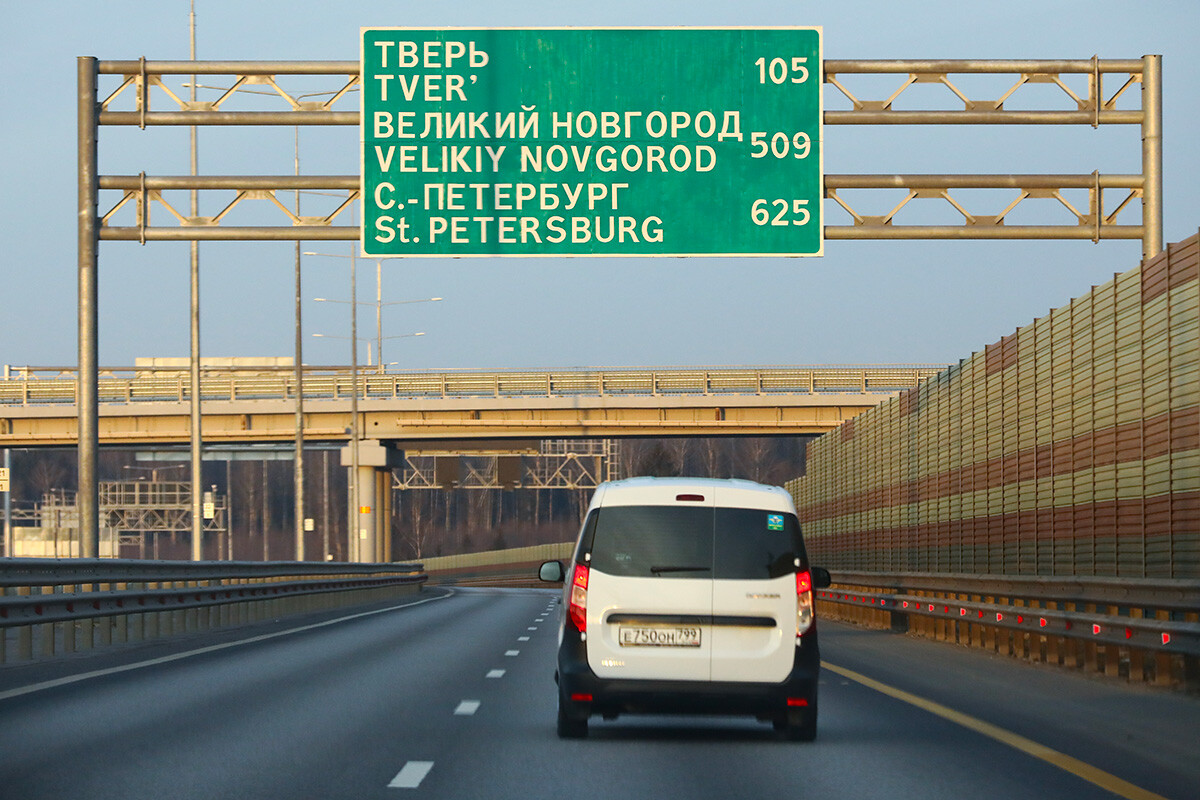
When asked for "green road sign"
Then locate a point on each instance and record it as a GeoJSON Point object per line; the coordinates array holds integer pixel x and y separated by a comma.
{"type": "Point", "coordinates": [603, 142]}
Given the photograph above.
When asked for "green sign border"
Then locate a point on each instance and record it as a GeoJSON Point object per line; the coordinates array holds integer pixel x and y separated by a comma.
{"type": "Point", "coordinates": [533, 250]}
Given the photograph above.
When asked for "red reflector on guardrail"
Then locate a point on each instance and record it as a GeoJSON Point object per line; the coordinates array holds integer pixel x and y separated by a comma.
{"type": "Point", "coordinates": [1096, 630]}
{"type": "Point", "coordinates": [1166, 639]}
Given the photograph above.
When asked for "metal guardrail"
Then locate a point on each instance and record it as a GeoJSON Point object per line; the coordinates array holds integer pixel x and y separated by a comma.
{"type": "Point", "coordinates": [51, 386]}
{"type": "Point", "coordinates": [73, 604]}
{"type": "Point", "coordinates": [1119, 621]}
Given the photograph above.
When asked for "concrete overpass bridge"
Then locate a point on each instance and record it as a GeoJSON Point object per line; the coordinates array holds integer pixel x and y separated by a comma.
{"type": "Point", "coordinates": [392, 416]}
{"type": "Point", "coordinates": [441, 409]}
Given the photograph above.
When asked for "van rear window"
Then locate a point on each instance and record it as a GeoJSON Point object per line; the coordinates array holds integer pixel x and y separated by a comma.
{"type": "Point", "coordinates": [683, 542]}
{"type": "Point", "coordinates": [752, 544]}
{"type": "Point", "coordinates": [653, 541]}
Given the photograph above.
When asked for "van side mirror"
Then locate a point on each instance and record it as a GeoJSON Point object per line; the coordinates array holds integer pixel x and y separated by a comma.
{"type": "Point", "coordinates": [821, 578]}
{"type": "Point", "coordinates": [553, 572]}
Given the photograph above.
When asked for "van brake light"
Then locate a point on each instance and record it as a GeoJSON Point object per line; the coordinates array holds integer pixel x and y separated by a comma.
{"type": "Point", "coordinates": [804, 603]}
{"type": "Point", "coordinates": [578, 605]}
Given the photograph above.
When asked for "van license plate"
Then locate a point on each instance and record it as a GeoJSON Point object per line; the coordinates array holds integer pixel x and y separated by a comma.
{"type": "Point", "coordinates": [659, 637]}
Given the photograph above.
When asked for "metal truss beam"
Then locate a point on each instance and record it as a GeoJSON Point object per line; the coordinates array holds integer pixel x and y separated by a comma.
{"type": "Point", "coordinates": [132, 509]}
{"type": "Point", "coordinates": [561, 464]}
{"type": "Point", "coordinates": [1087, 105]}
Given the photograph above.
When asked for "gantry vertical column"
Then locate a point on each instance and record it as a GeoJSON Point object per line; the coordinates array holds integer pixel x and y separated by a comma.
{"type": "Point", "coordinates": [1152, 157]}
{"type": "Point", "coordinates": [88, 398]}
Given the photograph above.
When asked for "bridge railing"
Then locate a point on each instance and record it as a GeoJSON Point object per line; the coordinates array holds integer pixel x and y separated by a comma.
{"type": "Point", "coordinates": [51, 386]}
{"type": "Point", "coordinates": [1140, 629]}
{"type": "Point", "coordinates": [52, 606]}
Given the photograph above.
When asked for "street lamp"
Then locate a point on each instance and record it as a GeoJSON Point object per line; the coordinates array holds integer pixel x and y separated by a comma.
{"type": "Point", "coordinates": [354, 536]}
{"type": "Point", "coordinates": [379, 304]}
{"type": "Point", "coordinates": [298, 471]}
{"type": "Point", "coordinates": [368, 341]}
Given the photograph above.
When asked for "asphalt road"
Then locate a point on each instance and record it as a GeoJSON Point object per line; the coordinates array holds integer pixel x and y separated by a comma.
{"type": "Point", "coordinates": [451, 695]}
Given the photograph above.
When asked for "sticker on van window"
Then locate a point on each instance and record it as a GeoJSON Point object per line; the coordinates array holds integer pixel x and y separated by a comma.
{"type": "Point", "coordinates": [774, 522]}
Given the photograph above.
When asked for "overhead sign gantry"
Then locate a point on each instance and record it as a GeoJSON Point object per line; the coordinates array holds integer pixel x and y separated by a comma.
{"type": "Point", "coordinates": [137, 90]}
{"type": "Point", "coordinates": [613, 141]}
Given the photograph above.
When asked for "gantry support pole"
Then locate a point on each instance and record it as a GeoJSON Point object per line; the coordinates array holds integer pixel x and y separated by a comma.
{"type": "Point", "coordinates": [1152, 156]}
{"type": "Point", "coordinates": [197, 393]}
{"type": "Point", "coordinates": [88, 399]}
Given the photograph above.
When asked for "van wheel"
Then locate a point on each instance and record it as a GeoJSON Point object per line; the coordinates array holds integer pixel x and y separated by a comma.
{"type": "Point", "coordinates": [571, 727]}
{"type": "Point", "coordinates": [797, 726]}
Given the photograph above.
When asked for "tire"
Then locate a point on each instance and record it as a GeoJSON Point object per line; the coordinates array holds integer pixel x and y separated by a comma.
{"type": "Point", "coordinates": [570, 726]}
{"type": "Point", "coordinates": [798, 726]}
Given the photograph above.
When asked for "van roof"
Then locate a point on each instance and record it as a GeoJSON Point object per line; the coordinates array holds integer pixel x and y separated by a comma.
{"type": "Point", "coordinates": [729, 491]}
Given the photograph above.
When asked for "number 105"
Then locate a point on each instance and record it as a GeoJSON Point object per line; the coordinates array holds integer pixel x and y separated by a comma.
{"type": "Point", "coordinates": [778, 70]}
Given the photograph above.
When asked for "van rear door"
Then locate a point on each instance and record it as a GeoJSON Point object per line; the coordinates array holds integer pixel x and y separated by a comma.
{"type": "Point", "coordinates": [754, 594]}
{"type": "Point", "coordinates": [650, 589]}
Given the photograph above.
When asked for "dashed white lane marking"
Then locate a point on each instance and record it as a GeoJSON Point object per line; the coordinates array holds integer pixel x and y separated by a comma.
{"type": "Point", "coordinates": [411, 776]}
{"type": "Point", "coordinates": [522, 638]}
{"type": "Point", "coordinates": [539, 621]}
{"type": "Point", "coordinates": [466, 708]}
{"type": "Point", "coordinates": [531, 628]}
{"type": "Point", "coordinates": [495, 673]}
{"type": "Point", "coordinates": [512, 652]}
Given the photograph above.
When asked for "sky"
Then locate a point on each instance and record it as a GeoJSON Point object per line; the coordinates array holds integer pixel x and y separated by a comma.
{"type": "Point", "coordinates": [910, 302]}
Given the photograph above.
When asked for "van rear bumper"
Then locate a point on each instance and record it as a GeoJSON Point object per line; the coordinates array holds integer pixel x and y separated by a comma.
{"type": "Point", "coordinates": [617, 696]}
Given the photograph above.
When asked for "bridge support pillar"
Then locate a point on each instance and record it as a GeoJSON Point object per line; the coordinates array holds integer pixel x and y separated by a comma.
{"type": "Point", "coordinates": [370, 531]}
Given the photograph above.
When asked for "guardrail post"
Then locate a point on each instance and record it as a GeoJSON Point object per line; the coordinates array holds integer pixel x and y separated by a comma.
{"type": "Point", "coordinates": [46, 631]}
{"type": "Point", "coordinates": [1137, 656]}
{"type": "Point", "coordinates": [1090, 650]}
{"type": "Point", "coordinates": [1112, 653]}
{"type": "Point", "coordinates": [1162, 661]}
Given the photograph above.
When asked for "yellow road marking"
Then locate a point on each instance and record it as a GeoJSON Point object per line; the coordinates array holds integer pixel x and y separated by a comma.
{"type": "Point", "coordinates": [1099, 777]}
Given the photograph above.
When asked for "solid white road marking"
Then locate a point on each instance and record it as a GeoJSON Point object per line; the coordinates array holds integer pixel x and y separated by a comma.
{"type": "Point", "coordinates": [512, 652]}
{"type": "Point", "coordinates": [411, 776]}
{"type": "Point", "coordinates": [496, 673]}
{"type": "Point", "coordinates": [466, 708]}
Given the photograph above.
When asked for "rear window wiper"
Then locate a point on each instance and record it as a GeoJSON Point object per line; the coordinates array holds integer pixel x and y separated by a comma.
{"type": "Point", "coordinates": [661, 570]}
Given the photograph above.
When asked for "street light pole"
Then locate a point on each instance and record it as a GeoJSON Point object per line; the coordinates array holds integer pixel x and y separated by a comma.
{"type": "Point", "coordinates": [356, 535]}
{"type": "Point", "coordinates": [298, 461]}
{"type": "Point", "coordinates": [197, 521]}
{"type": "Point", "coordinates": [379, 312]}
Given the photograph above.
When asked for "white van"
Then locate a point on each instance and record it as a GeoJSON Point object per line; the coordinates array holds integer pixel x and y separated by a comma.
{"type": "Point", "coordinates": [688, 595]}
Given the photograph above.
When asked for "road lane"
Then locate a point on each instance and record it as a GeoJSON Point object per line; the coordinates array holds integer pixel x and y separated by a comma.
{"type": "Point", "coordinates": [426, 701]}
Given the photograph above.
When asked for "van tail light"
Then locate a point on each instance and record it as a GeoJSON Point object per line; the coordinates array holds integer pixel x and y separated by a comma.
{"type": "Point", "coordinates": [578, 606]}
{"type": "Point", "coordinates": [804, 603]}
